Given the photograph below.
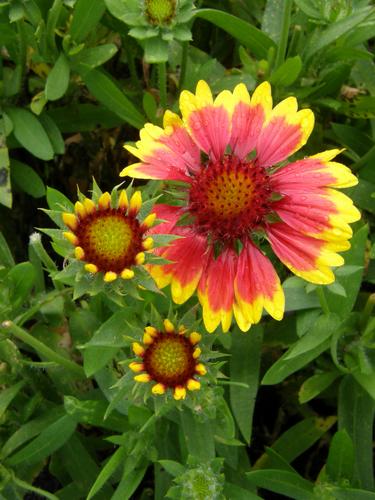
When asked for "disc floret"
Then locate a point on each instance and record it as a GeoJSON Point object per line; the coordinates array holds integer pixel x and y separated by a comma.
{"type": "Point", "coordinates": [169, 359]}
{"type": "Point", "coordinates": [107, 236]}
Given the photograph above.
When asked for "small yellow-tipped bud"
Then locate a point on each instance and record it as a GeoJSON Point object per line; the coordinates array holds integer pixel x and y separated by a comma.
{"type": "Point", "coordinates": [149, 221]}
{"type": "Point", "coordinates": [110, 276]}
{"type": "Point", "coordinates": [80, 210]}
{"type": "Point", "coordinates": [195, 337]}
{"type": "Point", "coordinates": [179, 393]}
{"type": "Point", "coordinates": [200, 369]}
{"type": "Point", "coordinates": [148, 243]}
{"type": "Point", "coordinates": [143, 377]}
{"type": "Point", "coordinates": [138, 349]}
{"type": "Point", "coordinates": [72, 238]}
{"type": "Point", "coordinates": [104, 201]}
{"type": "Point", "coordinates": [136, 367]}
{"type": "Point", "coordinates": [182, 329]}
{"type": "Point", "coordinates": [89, 205]}
{"type": "Point", "coordinates": [123, 200]}
{"type": "Point", "coordinates": [140, 258]}
{"type": "Point", "coordinates": [127, 274]}
{"type": "Point", "coordinates": [135, 202]}
{"type": "Point", "coordinates": [151, 330]}
{"type": "Point", "coordinates": [147, 339]}
{"type": "Point", "coordinates": [91, 268]}
{"type": "Point", "coordinates": [168, 326]}
{"type": "Point", "coordinates": [197, 352]}
{"type": "Point", "coordinates": [79, 253]}
{"type": "Point", "coordinates": [70, 220]}
{"type": "Point", "coordinates": [193, 385]}
{"type": "Point", "coordinates": [158, 389]}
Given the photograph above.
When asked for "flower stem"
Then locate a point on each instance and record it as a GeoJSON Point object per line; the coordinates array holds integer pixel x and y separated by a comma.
{"type": "Point", "coordinates": [281, 49]}
{"type": "Point", "coordinates": [42, 349]}
{"type": "Point", "coordinates": [322, 299]}
{"type": "Point", "coordinates": [162, 80]}
{"type": "Point", "coordinates": [185, 47]}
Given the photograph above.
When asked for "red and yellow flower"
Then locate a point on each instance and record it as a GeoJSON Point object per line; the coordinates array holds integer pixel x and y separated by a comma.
{"type": "Point", "coordinates": [107, 236]}
{"type": "Point", "coordinates": [170, 359]}
{"type": "Point", "coordinates": [228, 152]}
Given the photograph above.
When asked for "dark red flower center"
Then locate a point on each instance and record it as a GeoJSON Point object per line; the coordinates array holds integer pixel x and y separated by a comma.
{"type": "Point", "coordinates": [110, 239]}
{"type": "Point", "coordinates": [229, 198]}
{"type": "Point", "coordinates": [169, 360]}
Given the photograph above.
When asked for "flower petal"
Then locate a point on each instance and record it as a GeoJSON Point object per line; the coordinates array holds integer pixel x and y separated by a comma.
{"type": "Point", "coordinates": [307, 257]}
{"type": "Point", "coordinates": [208, 121]}
{"type": "Point", "coordinates": [248, 117]}
{"type": "Point", "coordinates": [188, 259]}
{"type": "Point", "coordinates": [215, 290]}
{"type": "Point", "coordinates": [315, 171]}
{"type": "Point", "coordinates": [256, 286]}
{"type": "Point", "coordinates": [167, 153]}
{"type": "Point", "coordinates": [286, 131]}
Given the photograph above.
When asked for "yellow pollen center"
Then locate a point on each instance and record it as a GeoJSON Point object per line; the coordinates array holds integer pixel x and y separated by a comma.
{"type": "Point", "coordinates": [229, 195]}
{"type": "Point", "coordinates": [110, 236]}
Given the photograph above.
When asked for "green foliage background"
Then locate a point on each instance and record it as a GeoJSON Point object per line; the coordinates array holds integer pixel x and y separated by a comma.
{"type": "Point", "coordinates": [291, 412]}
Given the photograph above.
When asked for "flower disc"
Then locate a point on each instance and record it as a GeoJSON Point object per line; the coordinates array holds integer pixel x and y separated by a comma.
{"type": "Point", "coordinates": [169, 360]}
{"type": "Point", "coordinates": [228, 198]}
{"type": "Point", "coordinates": [110, 239]}
{"type": "Point", "coordinates": [160, 11]}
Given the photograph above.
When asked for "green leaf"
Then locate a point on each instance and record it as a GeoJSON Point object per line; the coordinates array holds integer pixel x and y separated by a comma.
{"type": "Point", "coordinates": [95, 56]}
{"type": "Point", "coordinates": [83, 118]}
{"type": "Point", "coordinates": [6, 257]}
{"type": "Point", "coordinates": [244, 368]}
{"type": "Point", "coordinates": [352, 138]}
{"type": "Point", "coordinates": [86, 16]}
{"type": "Point", "coordinates": [30, 429]}
{"type": "Point", "coordinates": [351, 494]}
{"type": "Point", "coordinates": [81, 467]}
{"type": "Point", "coordinates": [53, 133]}
{"type": "Point", "coordinates": [129, 482]}
{"type": "Point", "coordinates": [321, 39]}
{"type": "Point", "coordinates": [340, 461]}
{"type": "Point", "coordinates": [30, 133]}
{"type": "Point", "coordinates": [367, 381]}
{"type": "Point", "coordinates": [156, 50]}
{"type": "Point", "coordinates": [249, 36]}
{"type": "Point", "coordinates": [271, 24]}
{"type": "Point", "coordinates": [107, 92]}
{"type": "Point", "coordinates": [173, 468]}
{"type": "Point", "coordinates": [5, 187]}
{"type": "Point", "coordinates": [314, 385]}
{"type": "Point", "coordinates": [48, 441]}
{"type": "Point", "coordinates": [22, 278]}
{"type": "Point", "coordinates": [362, 195]}
{"type": "Point", "coordinates": [283, 482]}
{"type": "Point", "coordinates": [57, 200]}
{"type": "Point", "coordinates": [350, 282]}
{"type": "Point", "coordinates": [7, 396]}
{"type": "Point", "coordinates": [107, 471]}
{"type": "Point", "coordinates": [287, 73]}
{"type": "Point", "coordinates": [301, 436]}
{"type": "Point", "coordinates": [285, 367]}
{"type": "Point", "coordinates": [324, 327]}
{"type": "Point", "coordinates": [96, 358]}
{"type": "Point", "coordinates": [58, 79]}
{"type": "Point", "coordinates": [27, 179]}
{"type": "Point", "coordinates": [91, 412]}
{"type": "Point", "coordinates": [111, 333]}
{"type": "Point", "coordinates": [198, 436]}
{"type": "Point", "coordinates": [356, 411]}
